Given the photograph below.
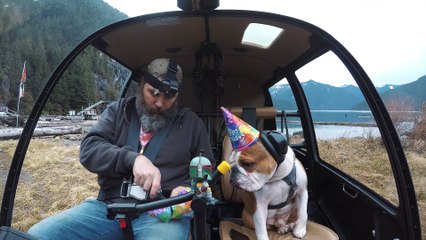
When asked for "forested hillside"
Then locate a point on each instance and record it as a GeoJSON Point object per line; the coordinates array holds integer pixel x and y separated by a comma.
{"type": "Point", "coordinates": [413, 93]}
{"type": "Point", "coordinates": [405, 97]}
{"type": "Point", "coordinates": [42, 33]}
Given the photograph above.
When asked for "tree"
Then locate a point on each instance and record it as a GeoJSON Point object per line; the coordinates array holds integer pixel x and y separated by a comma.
{"type": "Point", "coordinates": [419, 129]}
{"type": "Point", "coordinates": [401, 111]}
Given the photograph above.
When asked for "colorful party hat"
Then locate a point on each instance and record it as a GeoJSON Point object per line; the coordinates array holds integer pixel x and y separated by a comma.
{"type": "Point", "coordinates": [241, 134]}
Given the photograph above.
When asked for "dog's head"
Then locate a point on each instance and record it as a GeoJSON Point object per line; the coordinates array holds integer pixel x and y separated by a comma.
{"type": "Point", "coordinates": [255, 165]}
{"type": "Point", "coordinates": [256, 155]}
{"type": "Point", "coordinates": [252, 167]}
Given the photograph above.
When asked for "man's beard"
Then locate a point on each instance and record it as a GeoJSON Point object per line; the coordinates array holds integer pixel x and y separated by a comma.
{"type": "Point", "coordinates": [153, 119]}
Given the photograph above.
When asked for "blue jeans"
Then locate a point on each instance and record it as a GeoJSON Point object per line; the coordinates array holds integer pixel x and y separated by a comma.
{"type": "Point", "coordinates": [89, 221]}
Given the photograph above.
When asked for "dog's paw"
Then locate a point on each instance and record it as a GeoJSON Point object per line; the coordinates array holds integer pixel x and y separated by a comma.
{"type": "Point", "coordinates": [285, 228]}
{"type": "Point", "coordinates": [299, 231]}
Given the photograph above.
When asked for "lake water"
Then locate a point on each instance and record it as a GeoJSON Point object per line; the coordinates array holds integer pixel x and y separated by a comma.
{"type": "Point", "coordinates": [342, 116]}
{"type": "Point", "coordinates": [326, 132]}
{"type": "Point", "coordinates": [332, 124]}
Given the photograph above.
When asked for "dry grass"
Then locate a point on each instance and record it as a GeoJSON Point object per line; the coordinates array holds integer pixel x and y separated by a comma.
{"type": "Point", "coordinates": [52, 178]}
{"type": "Point", "coordinates": [367, 161]}
{"type": "Point", "coordinates": [364, 159]}
{"type": "Point", "coordinates": [417, 164]}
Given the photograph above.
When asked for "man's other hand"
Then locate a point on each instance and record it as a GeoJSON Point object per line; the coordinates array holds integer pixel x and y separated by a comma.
{"type": "Point", "coordinates": [179, 190]}
{"type": "Point", "coordinates": [147, 175]}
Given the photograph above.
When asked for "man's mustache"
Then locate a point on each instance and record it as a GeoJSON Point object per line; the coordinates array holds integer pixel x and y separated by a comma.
{"type": "Point", "coordinates": [156, 111]}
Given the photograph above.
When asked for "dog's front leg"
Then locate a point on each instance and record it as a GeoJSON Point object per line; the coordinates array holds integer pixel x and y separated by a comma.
{"type": "Point", "coordinates": [299, 230]}
{"type": "Point", "coordinates": [259, 219]}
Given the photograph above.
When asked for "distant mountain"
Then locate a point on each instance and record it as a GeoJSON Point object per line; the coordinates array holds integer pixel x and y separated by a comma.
{"type": "Point", "coordinates": [414, 92]}
{"type": "Point", "coordinates": [320, 96]}
{"type": "Point", "coordinates": [282, 97]}
{"type": "Point", "coordinates": [326, 97]}
{"type": "Point", "coordinates": [386, 88]}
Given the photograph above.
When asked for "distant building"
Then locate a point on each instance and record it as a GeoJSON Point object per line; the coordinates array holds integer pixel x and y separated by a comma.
{"type": "Point", "coordinates": [90, 114]}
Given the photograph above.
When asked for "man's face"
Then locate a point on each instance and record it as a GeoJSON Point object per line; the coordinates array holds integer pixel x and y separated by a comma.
{"type": "Point", "coordinates": [154, 108]}
{"type": "Point", "coordinates": [156, 101]}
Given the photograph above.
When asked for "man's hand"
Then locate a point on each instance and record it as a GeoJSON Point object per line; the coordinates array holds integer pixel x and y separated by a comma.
{"type": "Point", "coordinates": [147, 175]}
{"type": "Point", "coordinates": [178, 190]}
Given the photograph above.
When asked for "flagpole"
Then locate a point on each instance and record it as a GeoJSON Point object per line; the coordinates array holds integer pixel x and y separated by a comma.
{"type": "Point", "coordinates": [21, 91]}
{"type": "Point", "coordinates": [17, 109]}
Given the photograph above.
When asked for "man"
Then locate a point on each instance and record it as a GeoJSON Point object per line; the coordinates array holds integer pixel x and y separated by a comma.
{"type": "Point", "coordinates": [106, 150]}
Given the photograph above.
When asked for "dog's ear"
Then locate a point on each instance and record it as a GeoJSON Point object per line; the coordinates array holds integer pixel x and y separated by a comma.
{"type": "Point", "coordinates": [275, 143]}
{"type": "Point", "coordinates": [257, 158]}
{"type": "Point", "coordinates": [226, 148]}
{"type": "Point", "coordinates": [233, 157]}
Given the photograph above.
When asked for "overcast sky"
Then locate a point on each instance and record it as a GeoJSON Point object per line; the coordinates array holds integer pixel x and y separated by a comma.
{"type": "Point", "coordinates": [387, 37]}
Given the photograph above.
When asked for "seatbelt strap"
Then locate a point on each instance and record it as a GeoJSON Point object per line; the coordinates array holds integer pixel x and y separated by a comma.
{"type": "Point", "coordinates": [133, 132]}
{"type": "Point", "coordinates": [125, 223]}
{"type": "Point", "coordinates": [150, 152]}
{"type": "Point", "coordinates": [153, 148]}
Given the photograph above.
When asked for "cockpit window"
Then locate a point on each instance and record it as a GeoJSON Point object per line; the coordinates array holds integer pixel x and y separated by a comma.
{"type": "Point", "coordinates": [264, 40]}
{"type": "Point", "coordinates": [347, 134]}
{"type": "Point", "coordinates": [77, 96]}
{"type": "Point", "coordinates": [287, 121]}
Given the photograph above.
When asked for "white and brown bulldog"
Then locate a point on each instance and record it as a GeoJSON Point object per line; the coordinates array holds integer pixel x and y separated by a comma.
{"type": "Point", "coordinates": [275, 185]}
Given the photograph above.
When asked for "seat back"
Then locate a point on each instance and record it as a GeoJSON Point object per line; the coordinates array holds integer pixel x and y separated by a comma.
{"type": "Point", "coordinates": [255, 116]}
{"type": "Point", "coordinates": [229, 193]}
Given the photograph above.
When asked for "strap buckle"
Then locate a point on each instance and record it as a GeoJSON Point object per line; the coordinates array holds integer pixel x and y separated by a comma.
{"type": "Point", "coordinates": [125, 188]}
{"type": "Point", "coordinates": [130, 190]}
{"type": "Point", "coordinates": [137, 192]}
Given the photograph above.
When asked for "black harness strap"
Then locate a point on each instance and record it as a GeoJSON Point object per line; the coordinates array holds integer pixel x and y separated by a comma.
{"type": "Point", "coordinates": [290, 179]}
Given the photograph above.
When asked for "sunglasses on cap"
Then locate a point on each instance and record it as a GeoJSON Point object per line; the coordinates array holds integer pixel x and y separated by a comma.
{"type": "Point", "coordinates": [170, 85]}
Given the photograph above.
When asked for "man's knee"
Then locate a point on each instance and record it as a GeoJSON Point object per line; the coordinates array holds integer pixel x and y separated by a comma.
{"type": "Point", "coordinates": [176, 229]}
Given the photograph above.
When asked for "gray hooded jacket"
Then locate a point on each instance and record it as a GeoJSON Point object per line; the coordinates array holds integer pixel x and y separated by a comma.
{"type": "Point", "coordinates": [104, 150]}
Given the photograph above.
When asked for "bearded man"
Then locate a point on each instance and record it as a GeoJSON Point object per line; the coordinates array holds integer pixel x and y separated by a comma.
{"type": "Point", "coordinates": [107, 151]}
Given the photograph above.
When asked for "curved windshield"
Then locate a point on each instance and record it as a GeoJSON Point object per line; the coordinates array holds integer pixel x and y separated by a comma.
{"type": "Point", "coordinates": [37, 35]}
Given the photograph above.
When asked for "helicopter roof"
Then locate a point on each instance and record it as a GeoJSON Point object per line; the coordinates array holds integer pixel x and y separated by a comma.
{"type": "Point", "coordinates": [211, 44]}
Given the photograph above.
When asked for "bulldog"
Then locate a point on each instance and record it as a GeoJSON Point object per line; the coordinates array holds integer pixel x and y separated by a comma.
{"type": "Point", "coordinates": [274, 183]}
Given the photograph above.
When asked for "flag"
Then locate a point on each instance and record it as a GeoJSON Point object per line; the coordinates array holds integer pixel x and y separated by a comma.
{"type": "Point", "coordinates": [21, 90]}
{"type": "Point", "coordinates": [24, 73]}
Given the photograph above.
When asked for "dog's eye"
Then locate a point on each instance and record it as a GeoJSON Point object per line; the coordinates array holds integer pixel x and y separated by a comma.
{"type": "Point", "coordinates": [246, 164]}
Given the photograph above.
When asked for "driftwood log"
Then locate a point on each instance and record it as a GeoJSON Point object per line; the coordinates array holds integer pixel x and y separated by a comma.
{"type": "Point", "coordinates": [50, 127]}
{"type": "Point", "coordinates": [15, 133]}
